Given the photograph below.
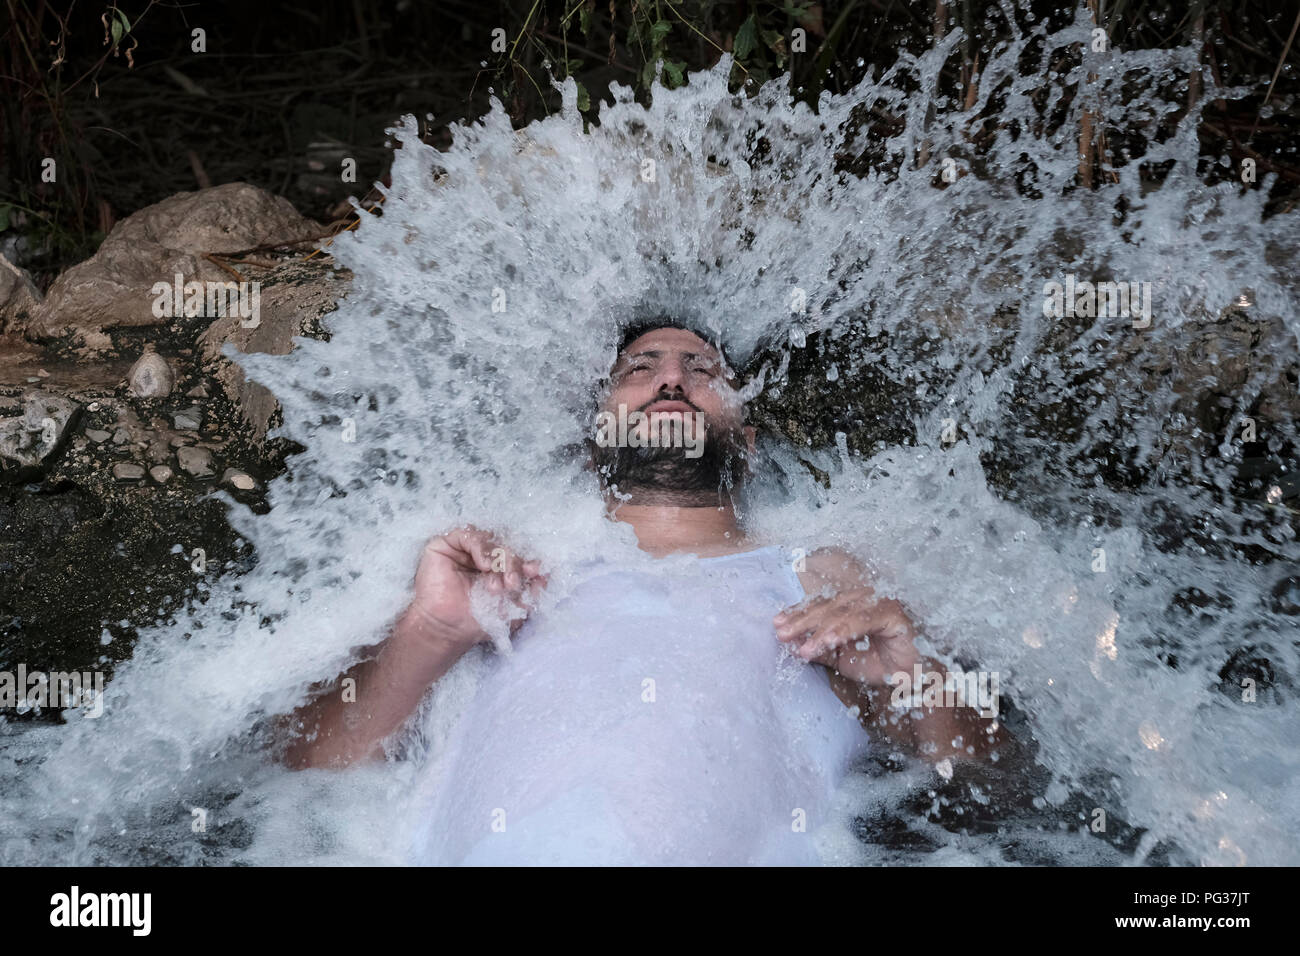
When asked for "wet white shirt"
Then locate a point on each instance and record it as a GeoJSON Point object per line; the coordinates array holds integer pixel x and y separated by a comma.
{"type": "Point", "coordinates": [649, 718]}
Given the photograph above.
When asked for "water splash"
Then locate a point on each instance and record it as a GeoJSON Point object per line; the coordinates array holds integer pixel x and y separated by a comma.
{"type": "Point", "coordinates": [484, 305]}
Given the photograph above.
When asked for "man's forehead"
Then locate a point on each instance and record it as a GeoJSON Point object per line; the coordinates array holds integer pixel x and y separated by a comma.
{"type": "Point", "coordinates": [669, 340]}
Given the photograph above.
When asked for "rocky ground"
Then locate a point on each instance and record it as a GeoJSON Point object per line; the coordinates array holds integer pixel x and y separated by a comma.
{"type": "Point", "coordinates": [117, 425]}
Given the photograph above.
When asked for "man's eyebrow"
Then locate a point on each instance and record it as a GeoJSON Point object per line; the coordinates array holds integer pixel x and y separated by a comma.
{"type": "Point", "coordinates": [656, 353]}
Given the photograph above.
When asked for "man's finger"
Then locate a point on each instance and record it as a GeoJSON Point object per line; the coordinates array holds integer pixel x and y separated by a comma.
{"type": "Point", "coordinates": [823, 640]}
{"type": "Point", "coordinates": [797, 620]}
{"type": "Point", "coordinates": [842, 625]}
{"type": "Point", "coordinates": [445, 547]}
{"type": "Point", "coordinates": [475, 544]}
{"type": "Point", "coordinates": [515, 576]}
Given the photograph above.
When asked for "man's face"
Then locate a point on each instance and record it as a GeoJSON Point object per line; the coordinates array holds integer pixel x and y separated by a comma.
{"type": "Point", "coordinates": [673, 373]}
{"type": "Point", "coordinates": [670, 379]}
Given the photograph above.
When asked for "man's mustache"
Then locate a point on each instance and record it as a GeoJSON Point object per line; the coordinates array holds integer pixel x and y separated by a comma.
{"type": "Point", "coordinates": [670, 398]}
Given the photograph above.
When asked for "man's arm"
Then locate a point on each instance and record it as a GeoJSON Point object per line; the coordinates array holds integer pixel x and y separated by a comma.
{"type": "Point", "coordinates": [344, 726]}
{"type": "Point", "coordinates": [863, 641]}
{"type": "Point", "coordinates": [338, 729]}
{"type": "Point", "coordinates": [935, 732]}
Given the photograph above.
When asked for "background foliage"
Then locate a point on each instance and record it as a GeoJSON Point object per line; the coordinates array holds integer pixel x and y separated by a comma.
{"type": "Point", "coordinates": [116, 94]}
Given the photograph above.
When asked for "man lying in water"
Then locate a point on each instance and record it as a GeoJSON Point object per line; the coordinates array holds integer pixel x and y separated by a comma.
{"type": "Point", "coordinates": [647, 717]}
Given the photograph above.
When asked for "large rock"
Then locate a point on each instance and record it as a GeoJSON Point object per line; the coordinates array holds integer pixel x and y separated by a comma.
{"type": "Point", "coordinates": [19, 296]}
{"type": "Point", "coordinates": [30, 441]}
{"type": "Point", "coordinates": [294, 295]}
{"type": "Point", "coordinates": [113, 287]}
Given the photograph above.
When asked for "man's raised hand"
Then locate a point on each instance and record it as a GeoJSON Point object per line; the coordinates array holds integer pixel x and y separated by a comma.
{"type": "Point", "coordinates": [845, 625]}
{"type": "Point", "coordinates": [451, 565]}
{"type": "Point", "coordinates": [852, 632]}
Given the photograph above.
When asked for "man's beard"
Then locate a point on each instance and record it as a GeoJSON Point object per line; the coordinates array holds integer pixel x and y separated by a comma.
{"type": "Point", "coordinates": [665, 475]}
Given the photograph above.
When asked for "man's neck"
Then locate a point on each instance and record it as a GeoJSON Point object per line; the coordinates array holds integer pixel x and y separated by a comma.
{"type": "Point", "coordinates": [663, 529]}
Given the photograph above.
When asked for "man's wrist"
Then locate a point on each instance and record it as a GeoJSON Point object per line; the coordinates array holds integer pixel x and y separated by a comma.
{"type": "Point", "coordinates": [856, 664]}
{"type": "Point", "coordinates": [423, 632]}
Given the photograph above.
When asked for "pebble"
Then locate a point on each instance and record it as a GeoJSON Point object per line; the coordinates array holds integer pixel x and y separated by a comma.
{"type": "Point", "coordinates": [239, 480]}
{"type": "Point", "coordinates": [151, 376]}
{"type": "Point", "coordinates": [128, 471]}
{"type": "Point", "coordinates": [161, 474]}
{"type": "Point", "coordinates": [159, 451]}
{"type": "Point", "coordinates": [121, 436]}
{"type": "Point", "coordinates": [195, 461]}
{"type": "Point", "coordinates": [198, 391]}
{"type": "Point", "coordinates": [97, 435]}
{"type": "Point", "coordinates": [178, 440]}
{"type": "Point", "coordinates": [190, 418]}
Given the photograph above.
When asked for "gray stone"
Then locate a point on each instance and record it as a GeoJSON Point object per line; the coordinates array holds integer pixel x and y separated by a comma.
{"type": "Point", "coordinates": [189, 418]}
{"type": "Point", "coordinates": [128, 471]}
{"type": "Point", "coordinates": [198, 391]}
{"type": "Point", "coordinates": [30, 440]}
{"type": "Point", "coordinates": [161, 474]}
{"type": "Point", "coordinates": [196, 462]}
{"type": "Point", "coordinates": [151, 376]}
{"type": "Point", "coordinates": [178, 440]}
{"type": "Point", "coordinates": [159, 451]}
{"type": "Point", "coordinates": [19, 296]}
{"type": "Point", "coordinates": [97, 435]}
{"type": "Point", "coordinates": [121, 436]}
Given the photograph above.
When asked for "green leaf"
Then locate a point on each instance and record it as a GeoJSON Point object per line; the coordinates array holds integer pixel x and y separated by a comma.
{"type": "Point", "coordinates": [584, 99]}
{"type": "Point", "coordinates": [584, 22]}
{"type": "Point", "coordinates": [746, 38]}
{"type": "Point", "coordinates": [659, 30]}
{"type": "Point", "coordinates": [647, 75]}
{"type": "Point", "coordinates": [674, 71]}
{"type": "Point", "coordinates": [121, 26]}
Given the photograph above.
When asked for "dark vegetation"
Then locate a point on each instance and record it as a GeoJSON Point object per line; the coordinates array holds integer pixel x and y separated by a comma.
{"type": "Point", "coordinates": [118, 97]}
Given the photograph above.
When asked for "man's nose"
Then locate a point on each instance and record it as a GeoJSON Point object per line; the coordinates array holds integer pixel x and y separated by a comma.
{"type": "Point", "coordinates": [670, 376]}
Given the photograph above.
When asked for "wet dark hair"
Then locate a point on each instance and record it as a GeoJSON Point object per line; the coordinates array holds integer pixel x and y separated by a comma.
{"type": "Point", "coordinates": [639, 327]}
